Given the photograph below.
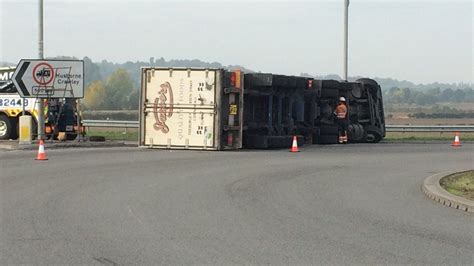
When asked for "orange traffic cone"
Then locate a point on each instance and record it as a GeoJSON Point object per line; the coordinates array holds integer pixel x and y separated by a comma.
{"type": "Point", "coordinates": [41, 154]}
{"type": "Point", "coordinates": [294, 146]}
{"type": "Point", "coordinates": [456, 142]}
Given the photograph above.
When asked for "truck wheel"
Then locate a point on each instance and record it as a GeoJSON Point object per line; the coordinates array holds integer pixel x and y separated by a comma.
{"type": "Point", "coordinates": [71, 136]}
{"type": "Point", "coordinates": [15, 133]}
{"type": "Point", "coordinates": [329, 93]}
{"type": "Point", "coordinates": [371, 85]}
{"type": "Point", "coordinates": [334, 84]}
{"type": "Point", "coordinates": [6, 128]}
{"type": "Point", "coordinates": [356, 133]}
{"type": "Point", "coordinates": [374, 134]}
{"type": "Point", "coordinates": [97, 138]}
{"type": "Point", "coordinates": [356, 92]}
{"type": "Point", "coordinates": [327, 139]}
{"type": "Point", "coordinates": [329, 130]}
{"type": "Point", "coordinates": [367, 81]}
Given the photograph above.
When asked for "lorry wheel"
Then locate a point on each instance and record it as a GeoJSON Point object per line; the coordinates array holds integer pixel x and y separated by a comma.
{"type": "Point", "coordinates": [334, 84]}
{"type": "Point", "coordinates": [329, 130]}
{"type": "Point", "coordinates": [356, 92]}
{"type": "Point", "coordinates": [367, 81]}
{"type": "Point", "coordinates": [5, 127]}
{"type": "Point", "coordinates": [374, 134]}
{"type": "Point", "coordinates": [97, 138]}
{"type": "Point", "coordinates": [14, 133]}
{"type": "Point", "coordinates": [371, 85]}
{"type": "Point", "coordinates": [327, 139]}
{"type": "Point", "coordinates": [71, 136]}
{"type": "Point", "coordinates": [329, 93]}
{"type": "Point", "coordinates": [356, 133]}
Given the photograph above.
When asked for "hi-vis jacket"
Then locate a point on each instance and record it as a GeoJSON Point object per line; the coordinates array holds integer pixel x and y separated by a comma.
{"type": "Point", "coordinates": [341, 111]}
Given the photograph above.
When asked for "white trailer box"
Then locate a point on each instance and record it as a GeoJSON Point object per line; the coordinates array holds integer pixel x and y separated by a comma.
{"type": "Point", "coordinates": [182, 108]}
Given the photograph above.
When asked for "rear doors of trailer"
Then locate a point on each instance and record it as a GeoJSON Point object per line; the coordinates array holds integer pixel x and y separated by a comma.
{"type": "Point", "coordinates": [190, 109]}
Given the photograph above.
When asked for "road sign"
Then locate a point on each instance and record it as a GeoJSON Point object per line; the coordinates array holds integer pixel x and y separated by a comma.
{"type": "Point", "coordinates": [49, 78]}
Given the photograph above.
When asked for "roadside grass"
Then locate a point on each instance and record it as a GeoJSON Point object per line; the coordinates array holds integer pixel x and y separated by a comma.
{"type": "Point", "coordinates": [132, 135]}
{"type": "Point", "coordinates": [460, 184]}
{"type": "Point", "coordinates": [427, 136]}
{"type": "Point", "coordinates": [115, 134]}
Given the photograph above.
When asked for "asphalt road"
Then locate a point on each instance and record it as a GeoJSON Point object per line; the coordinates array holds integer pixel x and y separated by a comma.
{"type": "Point", "coordinates": [343, 204]}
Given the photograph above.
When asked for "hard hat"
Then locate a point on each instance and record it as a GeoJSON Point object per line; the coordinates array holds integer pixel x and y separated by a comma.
{"type": "Point", "coordinates": [342, 99]}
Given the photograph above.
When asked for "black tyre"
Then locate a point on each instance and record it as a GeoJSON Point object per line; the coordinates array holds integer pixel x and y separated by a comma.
{"type": "Point", "coordinates": [356, 133]}
{"type": "Point", "coordinates": [255, 142]}
{"type": "Point", "coordinates": [333, 84]}
{"type": "Point", "coordinates": [356, 91]}
{"type": "Point", "coordinates": [371, 85]}
{"type": "Point", "coordinates": [329, 93]}
{"type": "Point", "coordinates": [5, 127]}
{"type": "Point", "coordinates": [373, 134]}
{"type": "Point", "coordinates": [327, 139]}
{"type": "Point", "coordinates": [326, 111]}
{"type": "Point", "coordinates": [97, 138]}
{"type": "Point", "coordinates": [367, 81]}
{"type": "Point", "coordinates": [329, 130]}
{"type": "Point", "coordinates": [71, 136]}
{"type": "Point", "coordinates": [14, 126]}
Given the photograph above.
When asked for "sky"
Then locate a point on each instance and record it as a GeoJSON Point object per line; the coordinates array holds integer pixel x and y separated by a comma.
{"type": "Point", "coordinates": [420, 41]}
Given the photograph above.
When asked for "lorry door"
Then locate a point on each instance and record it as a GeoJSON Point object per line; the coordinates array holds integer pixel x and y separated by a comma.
{"type": "Point", "coordinates": [179, 108]}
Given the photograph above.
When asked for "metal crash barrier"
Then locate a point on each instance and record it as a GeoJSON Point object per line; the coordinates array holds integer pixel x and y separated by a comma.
{"type": "Point", "coordinates": [389, 128]}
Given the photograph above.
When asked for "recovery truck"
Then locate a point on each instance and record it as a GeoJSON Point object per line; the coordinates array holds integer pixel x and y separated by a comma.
{"type": "Point", "coordinates": [217, 109]}
{"type": "Point", "coordinates": [60, 114]}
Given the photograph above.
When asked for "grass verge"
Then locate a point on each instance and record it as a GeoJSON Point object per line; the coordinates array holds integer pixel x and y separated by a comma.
{"type": "Point", "coordinates": [460, 184]}
{"type": "Point", "coordinates": [132, 134]}
{"type": "Point", "coordinates": [427, 136]}
{"type": "Point", "coordinates": [118, 134]}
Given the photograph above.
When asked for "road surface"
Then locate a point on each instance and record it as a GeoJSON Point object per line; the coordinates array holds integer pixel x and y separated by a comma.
{"type": "Point", "coordinates": [340, 204]}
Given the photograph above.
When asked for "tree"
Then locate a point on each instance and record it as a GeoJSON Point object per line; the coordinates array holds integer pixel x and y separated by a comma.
{"type": "Point", "coordinates": [95, 95]}
{"type": "Point", "coordinates": [458, 95]}
{"type": "Point", "coordinates": [133, 99]}
{"type": "Point", "coordinates": [406, 95]}
{"type": "Point", "coordinates": [118, 89]}
{"type": "Point", "coordinates": [446, 95]}
{"type": "Point", "coordinates": [91, 71]}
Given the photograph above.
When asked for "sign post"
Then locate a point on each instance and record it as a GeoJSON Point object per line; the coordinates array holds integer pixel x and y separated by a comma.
{"type": "Point", "coordinates": [48, 79]}
{"type": "Point", "coordinates": [40, 56]}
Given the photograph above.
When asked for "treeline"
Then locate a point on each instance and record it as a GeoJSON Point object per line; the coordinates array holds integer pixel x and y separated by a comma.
{"type": "Point", "coordinates": [443, 112]}
{"type": "Point", "coordinates": [116, 92]}
{"type": "Point", "coordinates": [103, 69]}
{"type": "Point", "coordinates": [113, 86]}
{"type": "Point", "coordinates": [428, 97]}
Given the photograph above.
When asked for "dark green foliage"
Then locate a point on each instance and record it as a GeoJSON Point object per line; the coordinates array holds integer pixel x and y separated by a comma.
{"type": "Point", "coordinates": [122, 90]}
{"type": "Point", "coordinates": [428, 97]}
{"type": "Point", "coordinates": [117, 90]}
{"type": "Point", "coordinates": [443, 112]}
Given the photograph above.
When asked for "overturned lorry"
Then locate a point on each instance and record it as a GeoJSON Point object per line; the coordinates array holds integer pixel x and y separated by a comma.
{"type": "Point", "coordinates": [216, 109]}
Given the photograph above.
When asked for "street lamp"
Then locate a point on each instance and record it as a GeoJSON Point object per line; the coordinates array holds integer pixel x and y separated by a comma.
{"type": "Point", "coordinates": [346, 25]}
{"type": "Point", "coordinates": [40, 56]}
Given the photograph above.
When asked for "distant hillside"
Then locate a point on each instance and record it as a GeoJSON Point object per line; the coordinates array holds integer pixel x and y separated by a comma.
{"type": "Point", "coordinates": [103, 69]}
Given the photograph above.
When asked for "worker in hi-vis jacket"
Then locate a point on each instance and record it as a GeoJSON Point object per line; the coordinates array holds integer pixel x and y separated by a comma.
{"type": "Point", "coordinates": [342, 119]}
